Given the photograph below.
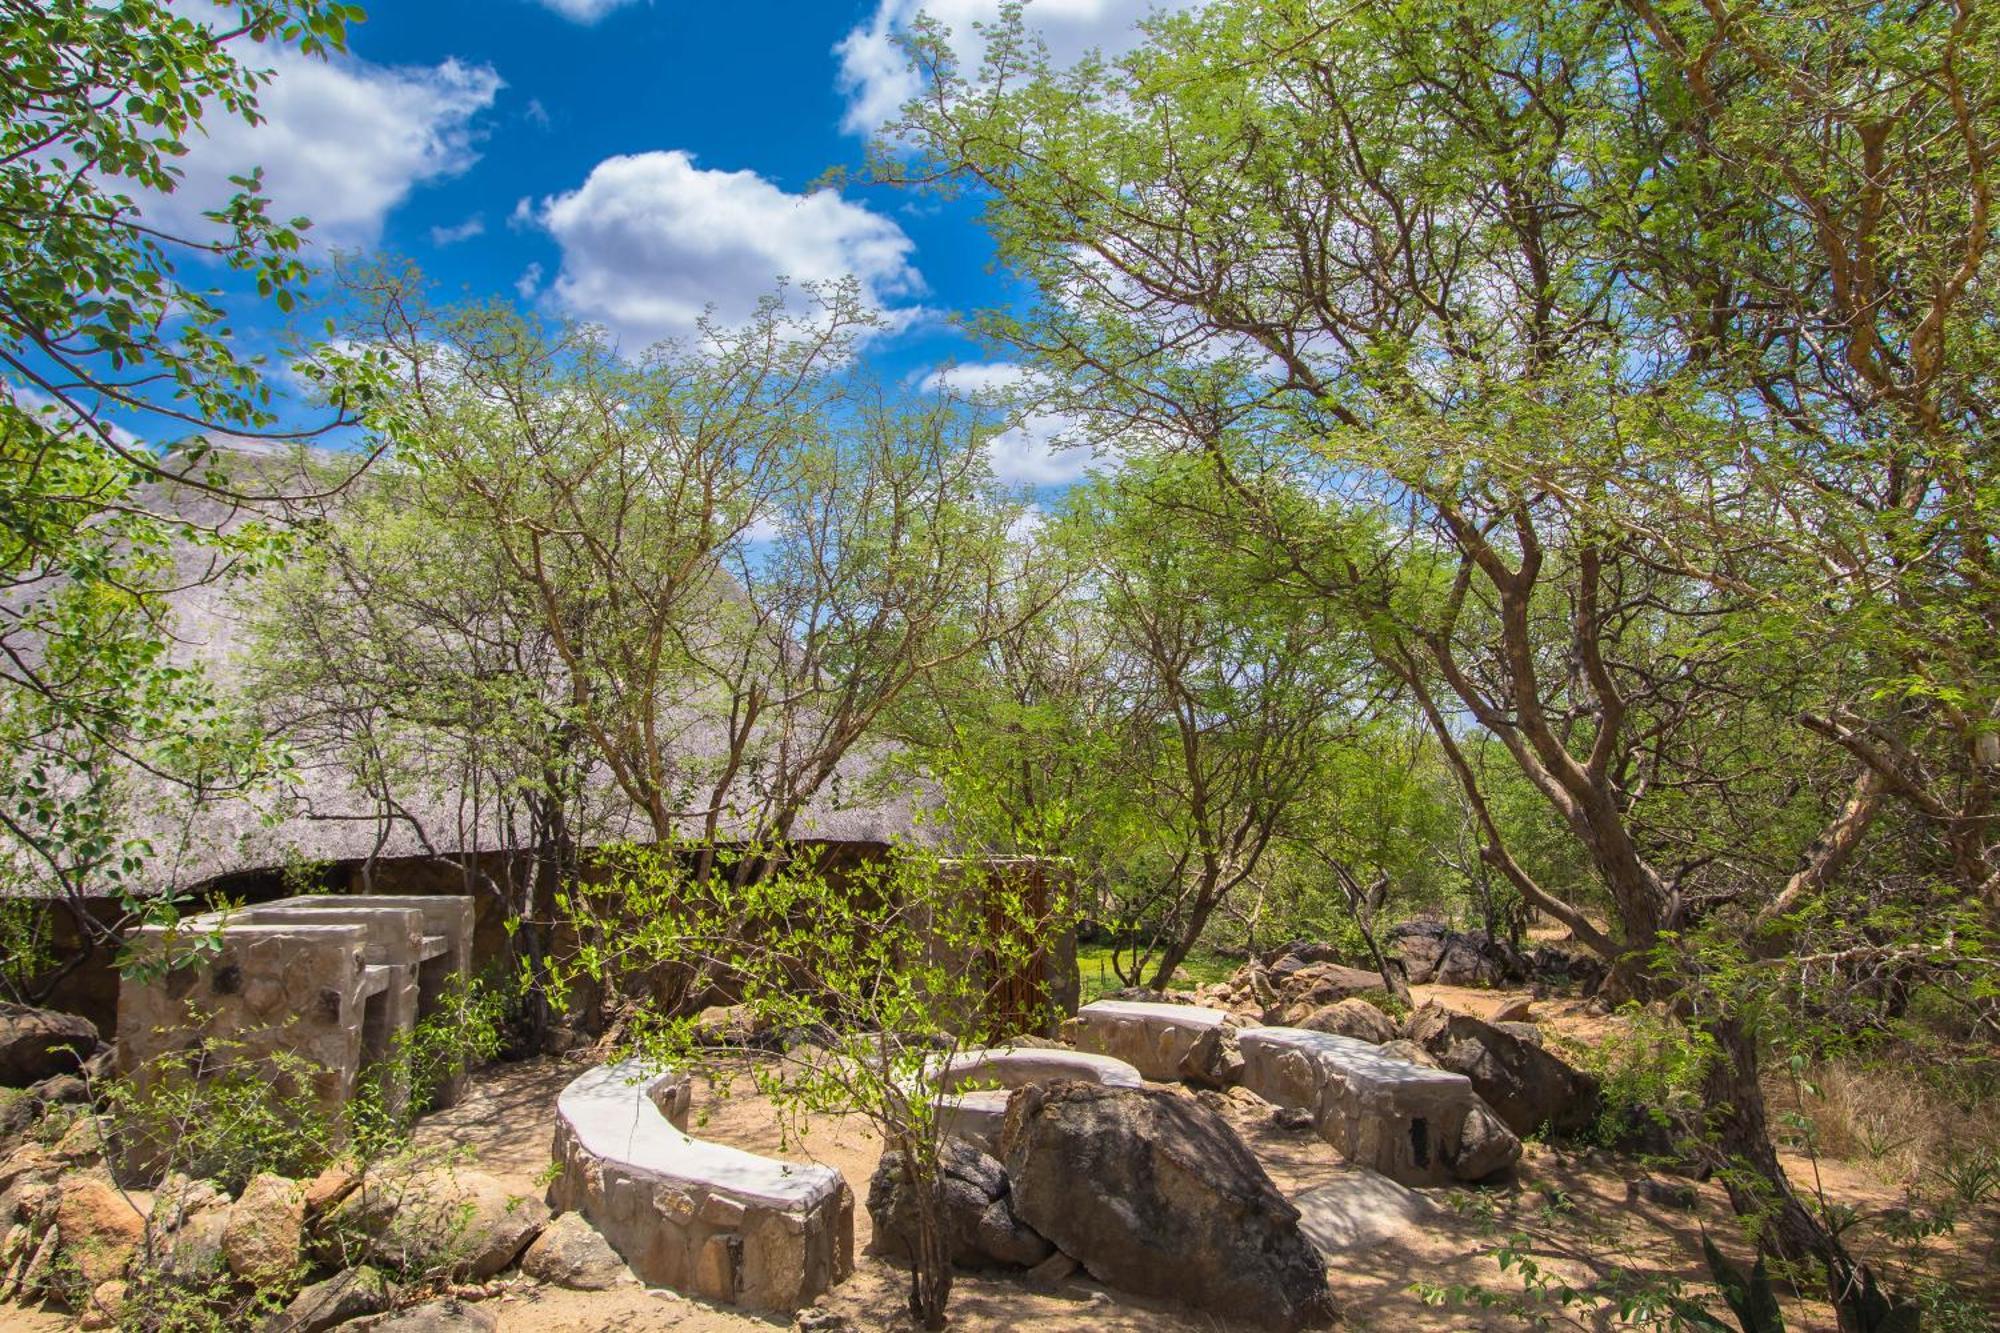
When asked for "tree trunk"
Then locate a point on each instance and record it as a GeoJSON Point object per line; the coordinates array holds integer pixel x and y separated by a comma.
{"type": "Point", "coordinates": [1747, 1164]}
{"type": "Point", "coordinates": [930, 1266]}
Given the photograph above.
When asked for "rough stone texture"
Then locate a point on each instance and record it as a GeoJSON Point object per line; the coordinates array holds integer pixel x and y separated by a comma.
{"type": "Point", "coordinates": [728, 1025]}
{"type": "Point", "coordinates": [701, 1218]}
{"type": "Point", "coordinates": [1517, 1010]}
{"type": "Point", "coordinates": [332, 981]}
{"type": "Point", "coordinates": [1352, 1018]}
{"type": "Point", "coordinates": [261, 1241]}
{"type": "Point", "coordinates": [99, 1227]}
{"type": "Point", "coordinates": [465, 1220]}
{"type": "Point", "coordinates": [1017, 1067]}
{"type": "Point", "coordinates": [40, 1043]}
{"type": "Point", "coordinates": [1432, 952]}
{"type": "Point", "coordinates": [981, 1227]}
{"type": "Point", "coordinates": [1526, 1086]}
{"type": "Point", "coordinates": [570, 1253]}
{"type": "Point", "coordinates": [324, 1305]}
{"type": "Point", "coordinates": [1295, 995]}
{"type": "Point", "coordinates": [1417, 1126]}
{"type": "Point", "coordinates": [976, 1117]}
{"type": "Point", "coordinates": [329, 1187]}
{"type": "Point", "coordinates": [1154, 1193]}
{"type": "Point", "coordinates": [1162, 1041]}
{"type": "Point", "coordinates": [1358, 1210]}
{"type": "Point", "coordinates": [446, 1316]}
{"type": "Point", "coordinates": [1404, 1049]}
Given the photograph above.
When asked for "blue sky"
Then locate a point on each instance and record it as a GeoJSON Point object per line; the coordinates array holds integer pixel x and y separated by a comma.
{"type": "Point", "coordinates": [629, 162]}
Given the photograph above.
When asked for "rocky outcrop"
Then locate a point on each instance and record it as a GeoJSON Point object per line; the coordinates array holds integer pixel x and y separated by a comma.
{"type": "Point", "coordinates": [464, 1222]}
{"type": "Point", "coordinates": [1153, 1193]}
{"type": "Point", "coordinates": [1352, 1018]}
{"type": "Point", "coordinates": [980, 1225]}
{"type": "Point", "coordinates": [1415, 1125]}
{"type": "Point", "coordinates": [699, 1217]}
{"type": "Point", "coordinates": [37, 1044]}
{"type": "Point", "coordinates": [99, 1229]}
{"type": "Point", "coordinates": [329, 1304]}
{"type": "Point", "coordinates": [1431, 952]}
{"type": "Point", "coordinates": [266, 1224]}
{"type": "Point", "coordinates": [570, 1253]}
{"type": "Point", "coordinates": [1526, 1086]}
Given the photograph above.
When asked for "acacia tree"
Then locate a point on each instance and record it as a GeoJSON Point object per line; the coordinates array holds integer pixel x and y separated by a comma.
{"type": "Point", "coordinates": [102, 335]}
{"type": "Point", "coordinates": [1402, 248]}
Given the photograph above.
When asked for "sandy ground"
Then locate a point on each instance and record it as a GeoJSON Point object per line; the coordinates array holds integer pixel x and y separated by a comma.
{"type": "Point", "coordinates": [1573, 1206]}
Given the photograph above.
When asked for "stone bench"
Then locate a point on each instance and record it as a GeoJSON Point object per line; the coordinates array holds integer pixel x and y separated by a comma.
{"type": "Point", "coordinates": [702, 1218]}
{"type": "Point", "coordinates": [978, 1113]}
{"type": "Point", "coordinates": [1417, 1126]}
{"type": "Point", "coordinates": [1162, 1041]}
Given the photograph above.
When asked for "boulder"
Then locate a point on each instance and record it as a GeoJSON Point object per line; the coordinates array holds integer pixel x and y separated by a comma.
{"type": "Point", "coordinates": [1295, 954]}
{"type": "Point", "coordinates": [464, 1221]}
{"type": "Point", "coordinates": [261, 1243]}
{"type": "Point", "coordinates": [324, 1305]}
{"type": "Point", "coordinates": [571, 1253]}
{"type": "Point", "coordinates": [1154, 1193]}
{"type": "Point", "coordinates": [1315, 986]}
{"type": "Point", "coordinates": [1404, 1049]}
{"type": "Point", "coordinates": [1528, 1032]}
{"type": "Point", "coordinates": [100, 1230]}
{"type": "Point", "coordinates": [1526, 1086]}
{"type": "Point", "coordinates": [1431, 952]}
{"type": "Point", "coordinates": [1352, 1018]}
{"type": "Point", "coordinates": [107, 1302]}
{"type": "Point", "coordinates": [40, 1043]}
{"type": "Point", "coordinates": [445, 1316]}
{"type": "Point", "coordinates": [728, 1025]}
{"type": "Point", "coordinates": [982, 1229]}
{"type": "Point", "coordinates": [1517, 1010]}
{"type": "Point", "coordinates": [329, 1187]}
{"type": "Point", "coordinates": [189, 1218]}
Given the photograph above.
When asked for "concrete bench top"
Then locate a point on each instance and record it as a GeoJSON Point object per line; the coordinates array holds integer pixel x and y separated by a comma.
{"type": "Point", "coordinates": [611, 1112]}
{"type": "Point", "coordinates": [1356, 1058]}
{"type": "Point", "coordinates": [1183, 1015]}
{"type": "Point", "coordinates": [1015, 1067]}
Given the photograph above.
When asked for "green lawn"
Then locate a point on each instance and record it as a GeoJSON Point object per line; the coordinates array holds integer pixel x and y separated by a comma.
{"type": "Point", "coordinates": [1093, 962]}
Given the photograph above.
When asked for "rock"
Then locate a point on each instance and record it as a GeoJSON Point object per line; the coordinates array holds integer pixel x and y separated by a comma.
{"type": "Point", "coordinates": [812, 1319]}
{"type": "Point", "coordinates": [1315, 986]}
{"type": "Point", "coordinates": [1352, 1018]}
{"type": "Point", "coordinates": [107, 1300]}
{"type": "Point", "coordinates": [40, 1043]}
{"type": "Point", "coordinates": [570, 1253]}
{"type": "Point", "coordinates": [82, 1144]}
{"type": "Point", "coordinates": [100, 1228]}
{"type": "Point", "coordinates": [1293, 1119]}
{"type": "Point", "coordinates": [465, 1222]}
{"type": "Point", "coordinates": [1215, 1060]}
{"type": "Point", "coordinates": [728, 1025]}
{"type": "Point", "coordinates": [1403, 1049]}
{"type": "Point", "coordinates": [266, 1225]}
{"type": "Point", "coordinates": [1053, 1271]}
{"type": "Point", "coordinates": [324, 1305]}
{"type": "Point", "coordinates": [1485, 1144]}
{"type": "Point", "coordinates": [982, 1229]}
{"type": "Point", "coordinates": [445, 1316]}
{"type": "Point", "coordinates": [1516, 1010]}
{"type": "Point", "coordinates": [329, 1187]}
{"type": "Point", "coordinates": [1527, 1032]}
{"type": "Point", "coordinates": [1431, 952]}
{"type": "Point", "coordinates": [1357, 1210]}
{"type": "Point", "coordinates": [1298, 953]}
{"type": "Point", "coordinates": [60, 1089]}
{"type": "Point", "coordinates": [188, 1220]}
{"type": "Point", "coordinates": [1155, 1194]}
{"type": "Point", "coordinates": [1525, 1085]}
{"type": "Point", "coordinates": [1675, 1194]}
{"type": "Point", "coordinates": [27, 1185]}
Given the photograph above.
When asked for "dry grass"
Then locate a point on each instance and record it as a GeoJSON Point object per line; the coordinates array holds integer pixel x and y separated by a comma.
{"type": "Point", "coordinates": [1885, 1120]}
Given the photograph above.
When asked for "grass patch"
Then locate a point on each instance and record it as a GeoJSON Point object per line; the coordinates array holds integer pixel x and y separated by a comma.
{"type": "Point", "coordinates": [1202, 968]}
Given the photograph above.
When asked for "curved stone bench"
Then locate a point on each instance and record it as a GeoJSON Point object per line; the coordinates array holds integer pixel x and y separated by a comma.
{"type": "Point", "coordinates": [1162, 1041]}
{"type": "Point", "coordinates": [1415, 1125]}
{"type": "Point", "coordinates": [977, 1114]}
{"type": "Point", "coordinates": [701, 1218]}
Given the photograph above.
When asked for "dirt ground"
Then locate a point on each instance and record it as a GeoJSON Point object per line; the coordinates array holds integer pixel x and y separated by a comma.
{"type": "Point", "coordinates": [1574, 1208]}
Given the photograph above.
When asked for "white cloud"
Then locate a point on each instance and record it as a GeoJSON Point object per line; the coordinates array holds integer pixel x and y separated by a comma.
{"type": "Point", "coordinates": [529, 282]}
{"type": "Point", "coordinates": [649, 241]}
{"type": "Point", "coordinates": [1038, 448]}
{"type": "Point", "coordinates": [876, 76]}
{"type": "Point", "coordinates": [464, 231]}
{"type": "Point", "coordinates": [582, 11]}
{"type": "Point", "coordinates": [342, 142]}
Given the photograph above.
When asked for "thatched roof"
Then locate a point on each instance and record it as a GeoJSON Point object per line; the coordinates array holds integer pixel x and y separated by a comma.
{"type": "Point", "coordinates": [318, 814]}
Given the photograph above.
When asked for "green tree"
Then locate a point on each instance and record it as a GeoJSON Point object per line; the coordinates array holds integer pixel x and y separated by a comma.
{"type": "Point", "coordinates": [100, 330]}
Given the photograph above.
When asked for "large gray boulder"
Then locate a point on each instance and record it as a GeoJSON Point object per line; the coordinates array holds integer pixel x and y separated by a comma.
{"type": "Point", "coordinates": [982, 1229]}
{"type": "Point", "coordinates": [1526, 1086]}
{"type": "Point", "coordinates": [40, 1043]}
{"type": "Point", "coordinates": [1352, 1018]}
{"type": "Point", "coordinates": [1155, 1194]}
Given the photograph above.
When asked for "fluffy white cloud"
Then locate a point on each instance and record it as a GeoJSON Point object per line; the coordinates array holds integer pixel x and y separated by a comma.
{"type": "Point", "coordinates": [651, 240]}
{"type": "Point", "coordinates": [877, 79]}
{"type": "Point", "coordinates": [582, 11]}
{"type": "Point", "coordinates": [1038, 448]}
{"type": "Point", "coordinates": [463, 231]}
{"type": "Point", "coordinates": [342, 141]}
